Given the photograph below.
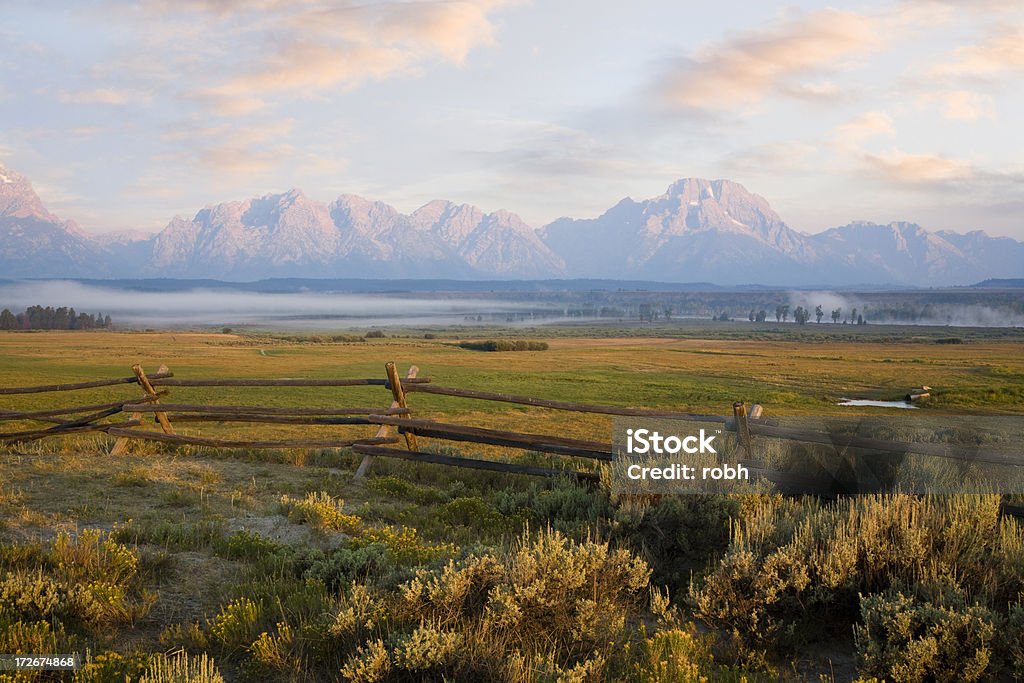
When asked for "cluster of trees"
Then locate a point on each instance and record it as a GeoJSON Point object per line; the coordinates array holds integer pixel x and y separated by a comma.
{"type": "Point", "coordinates": [504, 345]}
{"type": "Point", "coordinates": [651, 312]}
{"type": "Point", "coordinates": [802, 315]}
{"type": "Point", "coordinates": [50, 318]}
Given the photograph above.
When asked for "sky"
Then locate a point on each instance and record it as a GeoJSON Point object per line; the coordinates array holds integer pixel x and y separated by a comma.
{"type": "Point", "coordinates": [126, 114]}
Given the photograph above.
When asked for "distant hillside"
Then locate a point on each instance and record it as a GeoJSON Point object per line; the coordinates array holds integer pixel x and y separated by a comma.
{"type": "Point", "coordinates": [1001, 283]}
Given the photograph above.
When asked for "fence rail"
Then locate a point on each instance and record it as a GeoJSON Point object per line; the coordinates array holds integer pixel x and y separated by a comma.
{"type": "Point", "coordinates": [561, 405]}
{"type": "Point", "coordinates": [80, 385]}
{"type": "Point", "coordinates": [395, 425]}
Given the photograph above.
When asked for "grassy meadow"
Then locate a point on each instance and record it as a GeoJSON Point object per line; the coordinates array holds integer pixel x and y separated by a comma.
{"type": "Point", "coordinates": [197, 564]}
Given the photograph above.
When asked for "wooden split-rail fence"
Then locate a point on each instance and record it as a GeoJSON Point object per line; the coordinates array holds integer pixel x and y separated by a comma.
{"type": "Point", "coordinates": [396, 433]}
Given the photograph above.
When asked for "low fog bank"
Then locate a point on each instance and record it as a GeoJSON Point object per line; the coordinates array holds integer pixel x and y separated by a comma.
{"type": "Point", "coordinates": [211, 306]}
{"type": "Point", "coordinates": [890, 310]}
{"type": "Point", "coordinates": [207, 307]}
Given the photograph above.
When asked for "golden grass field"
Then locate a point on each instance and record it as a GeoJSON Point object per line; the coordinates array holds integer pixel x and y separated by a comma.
{"type": "Point", "coordinates": [704, 376]}
{"type": "Point", "coordinates": [182, 506]}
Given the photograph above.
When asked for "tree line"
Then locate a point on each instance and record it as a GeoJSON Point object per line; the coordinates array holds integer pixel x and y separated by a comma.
{"type": "Point", "coordinates": [50, 318]}
{"type": "Point", "coordinates": [801, 315]}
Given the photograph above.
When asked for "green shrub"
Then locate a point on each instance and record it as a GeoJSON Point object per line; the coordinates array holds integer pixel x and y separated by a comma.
{"type": "Point", "coordinates": [321, 511]}
{"type": "Point", "coordinates": [549, 599]}
{"type": "Point", "coordinates": [360, 615]}
{"type": "Point", "coordinates": [549, 608]}
{"type": "Point", "coordinates": [112, 666]}
{"type": "Point", "coordinates": [170, 535]}
{"type": "Point", "coordinates": [563, 504]}
{"type": "Point", "coordinates": [475, 513]}
{"type": "Point", "coordinates": [905, 640]}
{"type": "Point", "coordinates": [1013, 639]}
{"type": "Point", "coordinates": [674, 655]}
{"type": "Point", "coordinates": [181, 668]}
{"type": "Point", "coordinates": [246, 545]}
{"type": "Point", "coordinates": [324, 512]}
{"type": "Point", "coordinates": [33, 636]}
{"type": "Point", "coordinates": [504, 345]}
{"type": "Point", "coordinates": [93, 555]}
{"type": "Point", "coordinates": [371, 663]}
{"type": "Point", "coordinates": [794, 568]}
{"type": "Point", "coordinates": [397, 487]}
{"type": "Point", "coordinates": [403, 543]}
{"type": "Point", "coordinates": [277, 650]}
{"type": "Point", "coordinates": [342, 566]}
{"type": "Point", "coordinates": [676, 534]}
{"type": "Point", "coordinates": [427, 649]}
{"type": "Point", "coordinates": [88, 581]}
{"type": "Point", "coordinates": [236, 625]}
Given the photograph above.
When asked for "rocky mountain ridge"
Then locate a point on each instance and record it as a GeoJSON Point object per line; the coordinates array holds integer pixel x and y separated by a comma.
{"type": "Point", "coordinates": [697, 231]}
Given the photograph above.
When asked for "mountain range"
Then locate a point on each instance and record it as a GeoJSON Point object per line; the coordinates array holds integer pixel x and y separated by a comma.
{"type": "Point", "coordinates": [697, 231]}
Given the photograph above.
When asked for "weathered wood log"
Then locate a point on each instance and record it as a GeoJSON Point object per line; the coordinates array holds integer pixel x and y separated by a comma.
{"type": "Point", "coordinates": [596, 450]}
{"type": "Point", "coordinates": [383, 430]}
{"type": "Point", "coordinates": [739, 413]}
{"type": "Point", "coordinates": [472, 463]}
{"type": "Point", "coordinates": [80, 385]}
{"type": "Point", "coordinates": [756, 411]}
{"type": "Point", "coordinates": [6, 415]}
{"type": "Point", "coordinates": [161, 416]}
{"type": "Point", "coordinates": [561, 405]}
{"type": "Point", "coordinates": [910, 398]}
{"type": "Point", "coordinates": [80, 424]}
{"type": "Point", "coordinates": [236, 443]}
{"type": "Point", "coordinates": [260, 410]}
{"type": "Point", "coordinates": [376, 382]}
{"type": "Point", "coordinates": [398, 394]}
{"type": "Point", "coordinates": [120, 446]}
{"type": "Point", "coordinates": [271, 419]}
{"type": "Point", "coordinates": [59, 430]}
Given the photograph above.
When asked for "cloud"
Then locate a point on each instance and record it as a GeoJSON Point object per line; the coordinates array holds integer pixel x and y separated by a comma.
{"type": "Point", "coordinates": [313, 48]}
{"type": "Point", "coordinates": [549, 150]}
{"type": "Point", "coordinates": [772, 158]}
{"type": "Point", "coordinates": [984, 7]}
{"type": "Point", "coordinates": [1001, 53]}
{"type": "Point", "coordinates": [750, 66]}
{"type": "Point", "coordinates": [227, 104]}
{"type": "Point", "coordinates": [858, 130]}
{"type": "Point", "coordinates": [242, 160]}
{"type": "Point", "coordinates": [223, 148]}
{"type": "Point", "coordinates": [825, 91]}
{"type": "Point", "coordinates": [111, 96]}
{"type": "Point", "coordinates": [964, 105]}
{"type": "Point", "coordinates": [239, 135]}
{"type": "Point", "coordinates": [448, 29]}
{"type": "Point", "coordinates": [922, 170]}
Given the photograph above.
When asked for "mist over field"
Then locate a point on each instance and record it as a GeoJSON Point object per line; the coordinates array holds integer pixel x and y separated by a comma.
{"type": "Point", "coordinates": [301, 305]}
{"type": "Point", "coordinates": [953, 314]}
{"type": "Point", "coordinates": [213, 307]}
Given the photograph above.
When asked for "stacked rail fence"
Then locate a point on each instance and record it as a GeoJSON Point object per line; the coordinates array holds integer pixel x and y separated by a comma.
{"type": "Point", "coordinates": [392, 431]}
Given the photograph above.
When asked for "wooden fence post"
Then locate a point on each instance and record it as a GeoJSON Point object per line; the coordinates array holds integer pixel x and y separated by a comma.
{"type": "Point", "coordinates": [121, 445]}
{"type": "Point", "coordinates": [739, 411]}
{"type": "Point", "coordinates": [398, 396]}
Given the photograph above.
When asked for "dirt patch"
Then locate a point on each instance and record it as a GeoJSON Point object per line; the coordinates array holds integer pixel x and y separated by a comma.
{"type": "Point", "coordinates": [275, 528]}
{"type": "Point", "coordinates": [193, 590]}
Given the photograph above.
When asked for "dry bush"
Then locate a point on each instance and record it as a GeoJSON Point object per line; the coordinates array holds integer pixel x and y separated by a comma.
{"type": "Point", "coordinates": [796, 569]}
